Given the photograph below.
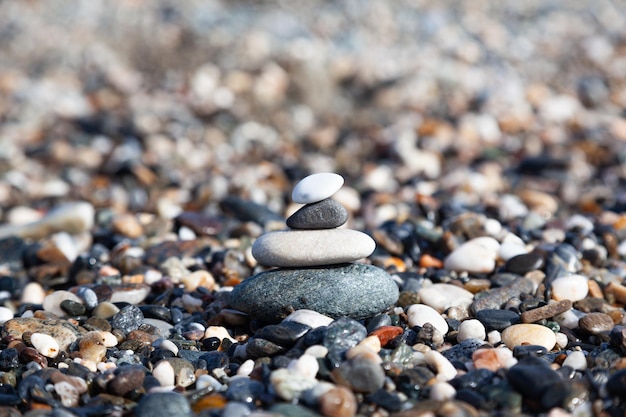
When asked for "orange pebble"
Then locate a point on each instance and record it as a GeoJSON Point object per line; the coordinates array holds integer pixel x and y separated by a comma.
{"type": "Point", "coordinates": [208, 402]}
{"type": "Point", "coordinates": [429, 261]}
{"type": "Point", "coordinates": [386, 333]}
{"type": "Point", "coordinates": [594, 289]}
{"type": "Point", "coordinates": [232, 282]}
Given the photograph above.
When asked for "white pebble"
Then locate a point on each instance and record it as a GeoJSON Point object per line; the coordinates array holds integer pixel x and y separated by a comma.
{"type": "Point", "coordinates": [246, 368]}
{"type": "Point", "coordinates": [494, 337]}
{"type": "Point", "coordinates": [492, 227]}
{"type": "Point", "coordinates": [45, 344]}
{"type": "Point", "coordinates": [317, 351]}
{"type": "Point", "coordinates": [508, 250]}
{"type": "Point", "coordinates": [477, 255]}
{"type": "Point", "coordinates": [442, 391]}
{"type": "Point", "coordinates": [68, 393]}
{"type": "Point", "coordinates": [316, 187]}
{"type": "Point", "coordinates": [420, 314]}
{"type": "Point", "coordinates": [561, 340]}
{"type": "Point", "coordinates": [164, 373]}
{"type": "Point", "coordinates": [471, 329]}
{"type": "Point", "coordinates": [569, 318]}
{"type": "Point", "coordinates": [169, 345]}
{"type": "Point", "coordinates": [579, 222]}
{"type": "Point", "coordinates": [66, 245]}
{"type": "Point", "coordinates": [5, 315]}
{"type": "Point", "coordinates": [33, 293]}
{"type": "Point", "coordinates": [310, 318]}
{"type": "Point", "coordinates": [131, 296]}
{"type": "Point", "coordinates": [205, 381]}
{"type": "Point", "coordinates": [443, 296]}
{"type": "Point", "coordinates": [445, 370]}
{"type": "Point", "coordinates": [305, 365]}
{"type": "Point", "coordinates": [573, 287]}
{"type": "Point", "coordinates": [290, 386]}
{"type": "Point", "coordinates": [576, 360]}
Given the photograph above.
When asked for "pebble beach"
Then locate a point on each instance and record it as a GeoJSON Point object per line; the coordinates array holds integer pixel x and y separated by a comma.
{"type": "Point", "coordinates": [312, 208]}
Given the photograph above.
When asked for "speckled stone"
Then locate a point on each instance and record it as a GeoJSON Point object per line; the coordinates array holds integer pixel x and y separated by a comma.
{"type": "Point", "coordinates": [302, 248]}
{"type": "Point", "coordinates": [325, 214]}
{"type": "Point", "coordinates": [61, 330]}
{"type": "Point", "coordinates": [357, 291]}
{"type": "Point", "coordinates": [495, 298]}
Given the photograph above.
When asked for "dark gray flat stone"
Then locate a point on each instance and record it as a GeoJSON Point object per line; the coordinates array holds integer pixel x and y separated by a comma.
{"type": "Point", "coordinates": [325, 214]}
{"type": "Point", "coordinates": [357, 291]}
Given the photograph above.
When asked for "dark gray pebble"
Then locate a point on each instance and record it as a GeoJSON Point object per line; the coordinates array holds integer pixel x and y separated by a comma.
{"type": "Point", "coordinates": [360, 375]}
{"type": "Point", "coordinates": [127, 319]}
{"type": "Point", "coordinates": [9, 359]}
{"type": "Point", "coordinates": [215, 359]}
{"type": "Point", "coordinates": [258, 348]}
{"type": "Point", "coordinates": [284, 334]}
{"type": "Point", "coordinates": [495, 298]}
{"type": "Point", "coordinates": [521, 264]}
{"type": "Point", "coordinates": [292, 410]}
{"type": "Point", "coordinates": [388, 400]}
{"type": "Point", "coordinates": [8, 397]}
{"type": "Point", "coordinates": [325, 214]}
{"type": "Point", "coordinates": [378, 321]}
{"type": "Point", "coordinates": [413, 381]}
{"type": "Point", "coordinates": [497, 319]}
{"type": "Point", "coordinates": [343, 334]}
{"type": "Point", "coordinates": [244, 390]}
{"type": "Point", "coordinates": [11, 250]}
{"type": "Point", "coordinates": [616, 384]}
{"type": "Point", "coordinates": [524, 351]}
{"type": "Point", "coordinates": [463, 351]}
{"type": "Point", "coordinates": [473, 379]}
{"type": "Point", "coordinates": [357, 291]}
{"type": "Point", "coordinates": [532, 369]}
{"type": "Point", "coordinates": [156, 312]}
{"type": "Point", "coordinates": [73, 308]}
{"type": "Point", "coordinates": [163, 404]}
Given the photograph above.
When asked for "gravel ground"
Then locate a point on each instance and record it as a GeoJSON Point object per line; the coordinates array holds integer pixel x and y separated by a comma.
{"type": "Point", "coordinates": [145, 145]}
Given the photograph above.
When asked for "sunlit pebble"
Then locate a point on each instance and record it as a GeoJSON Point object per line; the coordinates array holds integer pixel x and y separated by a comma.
{"type": "Point", "coordinates": [5, 315]}
{"type": "Point", "coordinates": [493, 359]}
{"type": "Point", "coordinates": [185, 233]}
{"type": "Point", "coordinates": [494, 337]}
{"type": "Point", "coordinates": [89, 364]}
{"type": "Point", "coordinates": [305, 365]}
{"type": "Point", "coordinates": [444, 368]}
{"type": "Point", "coordinates": [577, 360]}
{"type": "Point", "coordinates": [106, 366]}
{"type": "Point", "coordinates": [372, 342]}
{"type": "Point", "coordinates": [219, 332]}
{"type": "Point", "coordinates": [105, 310]}
{"type": "Point", "coordinates": [561, 340]}
{"type": "Point", "coordinates": [151, 276]}
{"type": "Point", "coordinates": [197, 279]}
{"type": "Point", "coordinates": [169, 345]}
{"type": "Point", "coordinates": [205, 381]}
{"type": "Point", "coordinates": [310, 318]}
{"type": "Point", "coordinates": [164, 373]}
{"type": "Point", "coordinates": [246, 368]}
{"type": "Point", "coordinates": [33, 293]}
{"type": "Point", "coordinates": [45, 344]}
{"type": "Point", "coordinates": [317, 351]}
{"type": "Point", "coordinates": [441, 391]}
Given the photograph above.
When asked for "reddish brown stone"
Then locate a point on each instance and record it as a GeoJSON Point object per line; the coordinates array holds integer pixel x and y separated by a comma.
{"type": "Point", "coordinates": [386, 333]}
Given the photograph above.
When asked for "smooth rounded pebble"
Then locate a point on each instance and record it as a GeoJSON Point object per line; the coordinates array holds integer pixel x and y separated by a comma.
{"type": "Point", "coordinates": [357, 291]}
{"type": "Point", "coordinates": [46, 345]}
{"type": "Point", "coordinates": [325, 214]}
{"type": "Point", "coordinates": [477, 255]}
{"type": "Point", "coordinates": [573, 287]}
{"type": "Point", "coordinates": [316, 187]}
{"type": "Point", "coordinates": [5, 315]}
{"type": "Point", "coordinates": [443, 296]}
{"type": "Point", "coordinates": [52, 302]}
{"type": "Point", "coordinates": [471, 329]}
{"type": "Point", "coordinates": [576, 360]}
{"type": "Point", "coordinates": [163, 404]}
{"type": "Point", "coordinates": [533, 334]}
{"type": "Point", "coordinates": [311, 318]}
{"type": "Point", "coordinates": [301, 248]}
{"type": "Point", "coordinates": [420, 314]}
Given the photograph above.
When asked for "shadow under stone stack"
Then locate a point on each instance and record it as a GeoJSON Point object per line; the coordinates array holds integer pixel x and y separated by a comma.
{"type": "Point", "coordinates": [316, 263]}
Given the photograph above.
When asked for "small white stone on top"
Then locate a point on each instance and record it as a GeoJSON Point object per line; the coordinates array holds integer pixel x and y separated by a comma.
{"type": "Point", "coordinates": [316, 187]}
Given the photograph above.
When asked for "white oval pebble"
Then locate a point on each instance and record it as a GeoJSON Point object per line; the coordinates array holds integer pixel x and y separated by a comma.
{"type": "Point", "coordinates": [576, 360]}
{"type": "Point", "coordinates": [5, 315]}
{"type": "Point", "coordinates": [130, 295]}
{"type": "Point", "coordinates": [246, 368]}
{"type": "Point", "coordinates": [316, 187]}
{"type": "Point", "coordinates": [442, 391]}
{"type": "Point", "coordinates": [164, 373]}
{"type": "Point", "coordinates": [420, 314]}
{"type": "Point", "coordinates": [33, 293]}
{"type": "Point", "coordinates": [45, 344]}
{"type": "Point", "coordinates": [297, 248]}
{"type": "Point", "coordinates": [52, 302]}
{"type": "Point", "coordinates": [508, 250]}
{"type": "Point", "coordinates": [305, 365]}
{"type": "Point", "coordinates": [533, 334]}
{"type": "Point", "coordinates": [561, 340]}
{"type": "Point", "coordinates": [477, 255]}
{"type": "Point", "coordinates": [471, 329]}
{"type": "Point", "coordinates": [443, 296]}
{"type": "Point", "coordinates": [317, 351]}
{"type": "Point", "coordinates": [311, 318]}
{"type": "Point", "coordinates": [573, 287]}
{"type": "Point", "coordinates": [445, 370]}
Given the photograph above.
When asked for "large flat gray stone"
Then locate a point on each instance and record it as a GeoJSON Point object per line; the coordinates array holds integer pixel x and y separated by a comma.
{"type": "Point", "coordinates": [357, 291]}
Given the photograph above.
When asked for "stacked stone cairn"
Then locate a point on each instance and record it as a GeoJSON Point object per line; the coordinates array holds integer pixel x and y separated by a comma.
{"type": "Point", "coordinates": [315, 261]}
